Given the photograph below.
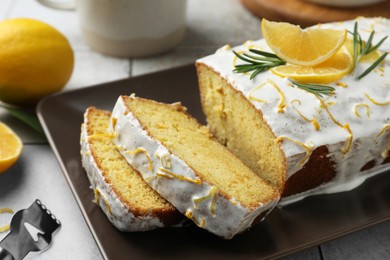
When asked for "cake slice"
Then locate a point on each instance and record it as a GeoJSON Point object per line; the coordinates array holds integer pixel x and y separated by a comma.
{"type": "Point", "coordinates": [129, 203]}
{"type": "Point", "coordinates": [182, 161]}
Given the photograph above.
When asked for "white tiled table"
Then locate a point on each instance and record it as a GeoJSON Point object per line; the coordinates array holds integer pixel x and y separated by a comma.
{"type": "Point", "coordinates": [210, 24]}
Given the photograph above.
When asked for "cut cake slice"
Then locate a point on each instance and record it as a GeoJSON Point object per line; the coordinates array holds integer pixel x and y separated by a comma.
{"type": "Point", "coordinates": [129, 203]}
{"type": "Point", "coordinates": [182, 161]}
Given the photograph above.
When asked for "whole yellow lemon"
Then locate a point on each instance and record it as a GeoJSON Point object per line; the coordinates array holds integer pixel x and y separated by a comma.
{"type": "Point", "coordinates": [35, 60]}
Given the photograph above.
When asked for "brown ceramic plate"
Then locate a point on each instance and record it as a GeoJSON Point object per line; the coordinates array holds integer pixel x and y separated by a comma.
{"type": "Point", "coordinates": [286, 230]}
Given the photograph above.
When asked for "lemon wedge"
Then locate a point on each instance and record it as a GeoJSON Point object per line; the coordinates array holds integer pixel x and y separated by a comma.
{"type": "Point", "coordinates": [329, 71]}
{"type": "Point", "coordinates": [308, 47]}
{"type": "Point", "coordinates": [10, 147]}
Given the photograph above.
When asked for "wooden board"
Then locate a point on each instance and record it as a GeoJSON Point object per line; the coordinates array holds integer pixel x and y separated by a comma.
{"type": "Point", "coordinates": [307, 13]}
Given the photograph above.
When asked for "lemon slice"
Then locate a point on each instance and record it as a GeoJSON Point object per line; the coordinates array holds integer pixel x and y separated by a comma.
{"type": "Point", "coordinates": [10, 147]}
{"type": "Point", "coordinates": [331, 70]}
{"type": "Point", "coordinates": [308, 47]}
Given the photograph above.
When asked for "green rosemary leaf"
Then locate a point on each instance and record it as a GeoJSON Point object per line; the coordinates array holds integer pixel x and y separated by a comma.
{"type": "Point", "coordinates": [266, 59]}
{"type": "Point", "coordinates": [257, 71]}
{"type": "Point", "coordinates": [316, 89]}
{"type": "Point", "coordinates": [257, 62]}
{"type": "Point", "coordinates": [368, 44]}
{"type": "Point", "coordinates": [361, 48]}
{"type": "Point", "coordinates": [376, 46]}
{"type": "Point", "coordinates": [242, 57]}
{"type": "Point", "coordinates": [373, 66]}
{"type": "Point", "coordinates": [27, 118]}
{"type": "Point", "coordinates": [264, 53]}
{"type": "Point", "coordinates": [356, 44]}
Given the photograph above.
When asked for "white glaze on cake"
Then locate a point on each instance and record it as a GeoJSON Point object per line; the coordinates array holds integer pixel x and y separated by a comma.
{"type": "Point", "coordinates": [216, 213]}
{"type": "Point", "coordinates": [366, 145]}
{"type": "Point", "coordinates": [119, 215]}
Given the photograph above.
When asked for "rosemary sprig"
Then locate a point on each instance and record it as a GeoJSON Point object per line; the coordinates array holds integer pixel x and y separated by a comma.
{"type": "Point", "coordinates": [317, 89]}
{"type": "Point", "coordinates": [361, 48]}
{"type": "Point", "coordinates": [373, 66]}
{"type": "Point", "coordinates": [258, 63]}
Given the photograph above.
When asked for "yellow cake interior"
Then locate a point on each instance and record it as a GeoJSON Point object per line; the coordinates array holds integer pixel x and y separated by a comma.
{"type": "Point", "coordinates": [236, 124]}
{"type": "Point", "coordinates": [193, 143]}
{"type": "Point", "coordinates": [127, 184]}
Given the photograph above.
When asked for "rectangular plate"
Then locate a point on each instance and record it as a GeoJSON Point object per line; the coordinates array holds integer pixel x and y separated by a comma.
{"type": "Point", "coordinates": [286, 230]}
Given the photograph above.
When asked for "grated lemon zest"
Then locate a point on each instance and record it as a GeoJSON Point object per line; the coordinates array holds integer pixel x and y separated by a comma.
{"type": "Point", "coordinates": [282, 104]}
{"type": "Point", "coordinates": [189, 215]}
{"type": "Point", "coordinates": [5, 227]}
{"type": "Point", "coordinates": [170, 175]}
{"type": "Point", "coordinates": [377, 102]}
{"type": "Point", "coordinates": [98, 194]}
{"type": "Point", "coordinates": [213, 193]}
{"type": "Point", "coordinates": [314, 121]}
{"type": "Point", "coordinates": [384, 129]}
{"type": "Point", "coordinates": [348, 143]}
{"type": "Point", "coordinates": [251, 97]}
{"type": "Point", "coordinates": [304, 146]}
{"type": "Point", "coordinates": [368, 111]}
{"type": "Point", "coordinates": [141, 150]}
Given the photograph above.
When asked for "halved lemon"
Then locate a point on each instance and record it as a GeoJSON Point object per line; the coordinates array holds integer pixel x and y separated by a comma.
{"type": "Point", "coordinates": [10, 147]}
{"type": "Point", "coordinates": [308, 47]}
{"type": "Point", "coordinates": [331, 70]}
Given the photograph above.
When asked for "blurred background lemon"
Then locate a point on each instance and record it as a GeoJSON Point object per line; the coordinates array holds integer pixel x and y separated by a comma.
{"type": "Point", "coordinates": [35, 60]}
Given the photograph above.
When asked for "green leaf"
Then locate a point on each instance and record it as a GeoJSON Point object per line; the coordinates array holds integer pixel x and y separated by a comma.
{"type": "Point", "coordinates": [316, 89]}
{"type": "Point", "coordinates": [257, 64]}
{"type": "Point", "coordinates": [27, 118]}
{"type": "Point", "coordinates": [373, 65]}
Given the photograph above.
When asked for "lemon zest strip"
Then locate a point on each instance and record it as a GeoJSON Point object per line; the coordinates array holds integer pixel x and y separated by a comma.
{"type": "Point", "coordinates": [304, 146]}
{"type": "Point", "coordinates": [141, 150]}
{"type": "Point", "coordinates": [99, 194]}
{"type": "Point", "coordinates": [348, 143]}
{"type": "Point", "coordinates": [213, 193]}
{"type": "Point", "coordinates": [368, 111]}
{"type": "Point", "coordinates": [384, 129]}
{"type": "Point", "coordinates": [314, 121]}
{"type": "Point", "coordinates": [170, 175]}
{"type": "Point", "coordinates": [342, 84]}
{"type": "Point", "coordinates": [5, 227]}
{"type": "Point", "coordinates": [165, 160]}
{"type": "Point", "coordinates": [189, 215]}
{"type": "Point", "coordinates": [376, 102]}
{"type": "Point", "coordinates": [251, 97]}
{"type": "Point", "coordinates": [282, 104]}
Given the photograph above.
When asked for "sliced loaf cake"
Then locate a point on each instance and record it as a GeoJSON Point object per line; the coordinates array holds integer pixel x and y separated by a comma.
{"type": "Point", "coordinates": [181, 160]}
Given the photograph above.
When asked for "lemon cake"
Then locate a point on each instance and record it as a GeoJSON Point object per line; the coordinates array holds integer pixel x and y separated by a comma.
{"type": "Point", "coordinates": [129, 203]}
{"type": "Point", "coordinates": [304, 142]}
{"type": "Point", "coordinates": [180, 159]}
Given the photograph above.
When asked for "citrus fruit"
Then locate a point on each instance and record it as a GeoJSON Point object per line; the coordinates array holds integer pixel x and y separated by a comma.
{"type": "Point", "coordinates": [308, 47]}
{"type": "Point", "coordinates": [330, 70]}
{"type": "Point", "coordinates": [35, 60]}
{"type": "Point", "coordinates": [10, 147]}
